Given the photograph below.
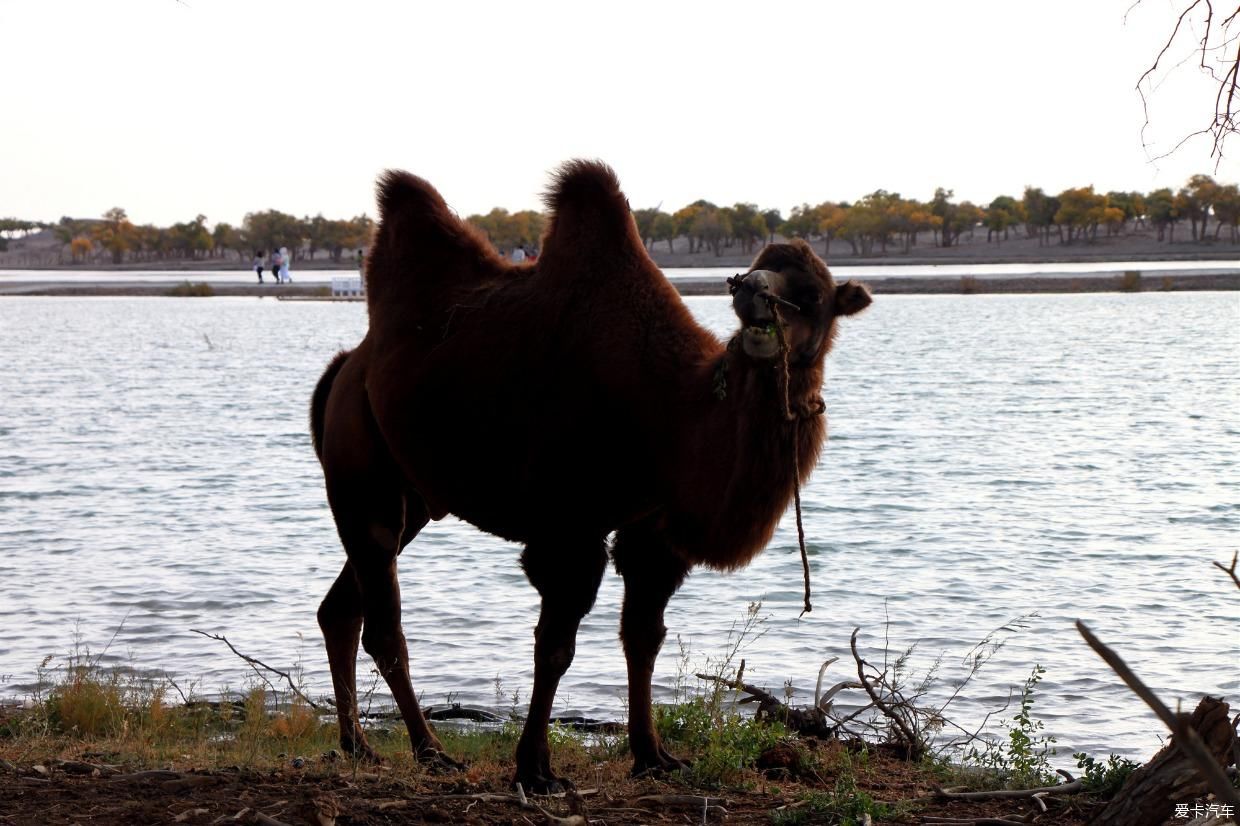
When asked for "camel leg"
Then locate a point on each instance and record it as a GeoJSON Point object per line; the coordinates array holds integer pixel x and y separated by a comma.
{"type": "Point", "coordinates": [567, 579]}
{"type": "Point", "coordinates": [652, 572]}
{"type": "Point", "coordinates": [340, 618]}
{"type": "Point", "coordinates": [368, 600]}
{"type": "Point", "coordinates": [376, 514]}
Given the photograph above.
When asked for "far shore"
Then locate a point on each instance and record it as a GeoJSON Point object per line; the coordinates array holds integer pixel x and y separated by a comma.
{"type": "Point", "coordinates": [1136, 244]}
{"type": "Point", "coordinates": [1154, 280]}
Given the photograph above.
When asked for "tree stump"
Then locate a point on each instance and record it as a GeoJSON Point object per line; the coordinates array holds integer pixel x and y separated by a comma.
{"type": "Point", "coordinates": [1152, 791]}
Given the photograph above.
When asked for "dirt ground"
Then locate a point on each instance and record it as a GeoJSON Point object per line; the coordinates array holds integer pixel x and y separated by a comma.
{"type": "Point", "coordinates": [320, 793]}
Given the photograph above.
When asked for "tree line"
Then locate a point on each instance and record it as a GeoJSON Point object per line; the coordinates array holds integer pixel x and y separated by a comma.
{"type": "Point", "coordinates": [881, 220]}
{"type": "Point", "coordinates": [873, 224]}
{"type": "Point", "coordinates": [119, 239]}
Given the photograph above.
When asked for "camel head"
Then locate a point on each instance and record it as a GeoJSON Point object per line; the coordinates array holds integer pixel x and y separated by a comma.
{"type": "Point", "coordinates": [790, 283]}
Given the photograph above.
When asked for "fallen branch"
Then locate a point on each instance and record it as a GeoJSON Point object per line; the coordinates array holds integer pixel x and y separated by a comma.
{"type": "Point", "coordinates": [811, 721]}
{"type": "Point", "coordinates": [256, 664]}
{"type": "Point", "coordinates": [694, 801]}
{"type": "Point", "coordinates": [1071, 787]}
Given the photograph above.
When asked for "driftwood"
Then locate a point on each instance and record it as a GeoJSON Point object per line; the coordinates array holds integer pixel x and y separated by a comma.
{"type": "Point", "coordinates": [1192, 763]}
{"type": "Point", "coordinates": [1150, 795]}
{"type": "Point", "coordinates": [810, 721]}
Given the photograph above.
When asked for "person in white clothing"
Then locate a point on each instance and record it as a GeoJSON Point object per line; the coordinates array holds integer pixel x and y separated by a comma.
{"type": "Point", "coordinates": [518, 255]}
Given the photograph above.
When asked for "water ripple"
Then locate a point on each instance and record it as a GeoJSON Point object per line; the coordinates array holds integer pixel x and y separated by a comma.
{"type": "Point", "coordinates": [990, 456]}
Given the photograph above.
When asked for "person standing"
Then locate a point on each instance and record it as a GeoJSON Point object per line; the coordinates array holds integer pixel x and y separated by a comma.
{"type": "Point", "coordinates": [285, 259]}
{"type": "Point", "coordinates": [518, 254]}
{"type": "Point", "coordinates": [276, 261]}
{"type": "Point", "coordinates": [258, 264]}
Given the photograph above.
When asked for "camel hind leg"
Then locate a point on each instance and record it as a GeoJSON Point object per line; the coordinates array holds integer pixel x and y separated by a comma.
{"type": "Point", "coordinates": [652, 572]}
{"type": "Point", "coordinates": [340, 619]}
{"type": "Point", "coordinates": [376, 516]}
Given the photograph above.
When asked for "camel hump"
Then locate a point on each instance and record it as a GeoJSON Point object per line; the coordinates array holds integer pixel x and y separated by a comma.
{"type": "Point", "coordinates": [406, 198]}
{"type": "Point", "coordinates": [589, 212]}
{"type": "Point", "coordinates": [419, 240]}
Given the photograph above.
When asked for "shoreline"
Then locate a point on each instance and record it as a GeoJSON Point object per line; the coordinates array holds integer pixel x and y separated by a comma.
{"type": "Point", "coordinates": [1133, 281]}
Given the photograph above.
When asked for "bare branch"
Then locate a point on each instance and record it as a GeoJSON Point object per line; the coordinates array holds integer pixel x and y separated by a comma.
{"type": "Point", "coordinates": [915, 743]}
{"type": "Point", "coordinates": [256, 664]}
{"type": "Point", "coordinates": [1188, 741]}
{"type": "Point", "coordinates": [1230, 571]}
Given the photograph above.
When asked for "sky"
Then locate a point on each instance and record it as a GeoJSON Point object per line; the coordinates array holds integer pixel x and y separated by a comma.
{"type": "Point", "coordinates": [174, 108]}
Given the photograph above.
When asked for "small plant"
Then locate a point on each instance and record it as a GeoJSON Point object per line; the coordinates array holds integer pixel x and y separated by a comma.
{"type": "Point", "coordinates": [968, 284]}
{"type": "Point", "coordinates": [1104, 779]}
{"type": "Point", "coordinates": [844, 805]}
{"type": "Point", "coordinates": [708, 723]}
{"type": "Point", "coordinates": [1130, 281]}
{"type": "Point", "coordinates": [87, 703]}
{"type": "Point", "coordinates": [1025, 760]}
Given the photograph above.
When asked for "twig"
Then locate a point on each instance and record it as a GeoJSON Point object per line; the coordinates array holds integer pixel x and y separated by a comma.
{"type": "Point", "coordinates": [1185, 738]}
{"type": "Point", "coordinates": [520, 799]}
{"type": "Point", "coordinates": [256, 664]}
{"type": "Point", "coordinates": [268, 820]}
{"type": "Point", "coordinates": [1230, 571]}
{"type": "Point", "coordinates": [914, 742]}
{"type": "Point", "coordinates": [972, 821]}
{"type": "Point", "coordinates": [112, 639]}
{"type": "Point", "coordinates": [684, 800]}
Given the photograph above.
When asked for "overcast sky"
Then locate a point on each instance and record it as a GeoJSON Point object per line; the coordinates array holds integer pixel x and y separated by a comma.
{"type": "Point", "coordinates": [223, 107]}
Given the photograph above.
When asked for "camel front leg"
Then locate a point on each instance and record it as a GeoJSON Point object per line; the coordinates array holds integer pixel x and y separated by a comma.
{"type": "Point", "coordinates": [652, 572]}
{"type": "Point", "coordinates": [567, 579]}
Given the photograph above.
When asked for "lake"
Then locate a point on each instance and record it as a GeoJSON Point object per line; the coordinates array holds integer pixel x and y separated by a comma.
{"type": "Point", "coordinates": [1073, 456]}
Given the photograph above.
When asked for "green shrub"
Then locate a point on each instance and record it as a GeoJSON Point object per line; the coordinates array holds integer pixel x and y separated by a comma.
{"type": "Point", "coordinates": [1025, 760]}
{"type": "Point", "coordinates": [1104, 779]}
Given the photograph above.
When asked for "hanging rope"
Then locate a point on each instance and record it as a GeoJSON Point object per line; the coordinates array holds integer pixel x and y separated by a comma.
{"type": "Point", "coordinates": [785, 380]}
{"type": "Point", "coordinates": [808, 410]}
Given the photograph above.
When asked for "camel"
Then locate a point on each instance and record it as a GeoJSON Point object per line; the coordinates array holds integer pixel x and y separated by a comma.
{"type": "Point", "coordinates": [573, 406]}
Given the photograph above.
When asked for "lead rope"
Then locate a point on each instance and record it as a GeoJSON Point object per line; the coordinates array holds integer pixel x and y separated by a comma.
{"type": "Point", "coordinates": [784, 381]}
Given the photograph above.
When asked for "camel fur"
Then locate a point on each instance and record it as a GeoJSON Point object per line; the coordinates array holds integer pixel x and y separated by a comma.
{"type": "Point", "coordinates": [573, 406]}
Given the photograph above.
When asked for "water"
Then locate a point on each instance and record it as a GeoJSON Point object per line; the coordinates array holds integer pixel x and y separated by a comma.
{"type": "Point", "coordinates": [990, 456]}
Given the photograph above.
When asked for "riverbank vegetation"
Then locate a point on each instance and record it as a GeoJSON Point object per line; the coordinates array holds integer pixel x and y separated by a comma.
{"type": "Point", "coordinates": [121, 747]}
{"type": "Point", "coordinates": [879, 223]}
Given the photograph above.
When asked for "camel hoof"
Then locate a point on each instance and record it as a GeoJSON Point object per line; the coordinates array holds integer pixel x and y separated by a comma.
{"type": "Point", "coordinates": [540, 784]}
{"type": "Point", "coordinates": [437, 762]}
{"type": "Point", "coordinates": [661, 767]}
{"type": "Point", "coordinates": [361, 753]}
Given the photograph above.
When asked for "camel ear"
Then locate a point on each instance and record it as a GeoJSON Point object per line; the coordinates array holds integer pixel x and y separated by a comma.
{"type": "Point", "coordinates": [851, 298]}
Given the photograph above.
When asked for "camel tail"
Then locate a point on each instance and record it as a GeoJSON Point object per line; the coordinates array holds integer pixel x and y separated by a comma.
{"type": "Point", "coordinates": [590, 216]}
{"type": "Point", "coordinates": [318, 402]}
{"type": "Point", "coordinates": [420, 242]}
